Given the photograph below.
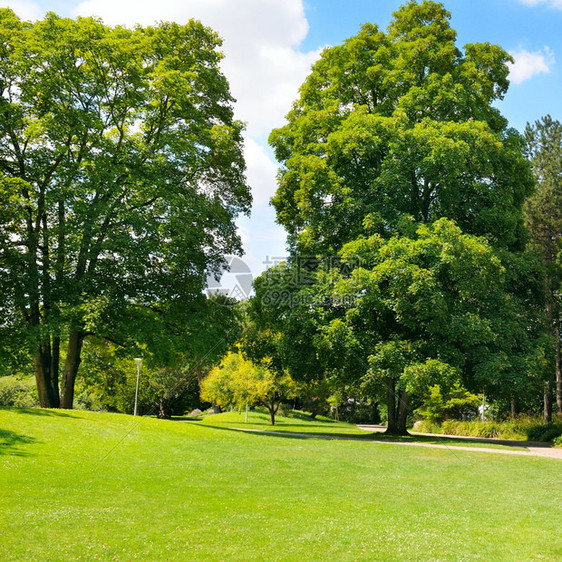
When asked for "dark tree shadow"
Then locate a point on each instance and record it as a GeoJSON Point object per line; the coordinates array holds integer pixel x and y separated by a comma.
{"type": "Point", "coordinates": [260, 432]}
{"type": "Point", "coordinates": [10, 441]}
{"type": "Point", "coordinates": [43, 412]}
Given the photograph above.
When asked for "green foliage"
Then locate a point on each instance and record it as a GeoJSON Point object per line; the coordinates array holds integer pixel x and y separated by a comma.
{"type": "Point", "coordinates": [314, 397]}
{"type": "Point", "coordinates": [543, 210]}
{"type": "Point", "coordinates": [545, 431]}
{"type": "Point", "coordinates": [108, 380]}
{"type": "Point", "coordinates": [395, 159]}
{"type": "Point", "coordinates": [87, 399]}
{"type": "Point", "coordinates": [433, 374]}
{"type": "Point", "coordinates": [398, 123]}
{"type": "Point", "coordinates": [431, 309]}
{"type": "Point", "coordinates": [238, 382]}
{"type": "Point", "coordinates": [458, 403]}
{"type": "Point", "coordinates": [18, 392]}
{"type": "Point", "coordinates": [232, 383]}
{"type": "Point", "coordinates": [543, 215]}
{"type": "Point", "coordinates": [122, 175]}
{"type": "Point", "coordinates": [106, 373]}
{"type": "Point", "coordinates": [519, 428]}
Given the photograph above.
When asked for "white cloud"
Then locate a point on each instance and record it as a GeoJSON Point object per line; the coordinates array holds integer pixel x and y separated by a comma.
{"type": "Point", "coordinates": [264, 241]}
{"type": "Point", "coordinates": [261, 173]}
{"type": "Point", "coordinates": [24, 9]}
{"type": "Point", "coordinates": [261, 39]}
{"type": "Point", "coordinates": [557, 4]}
{"type": "Point", "coordinates": [527, 64]}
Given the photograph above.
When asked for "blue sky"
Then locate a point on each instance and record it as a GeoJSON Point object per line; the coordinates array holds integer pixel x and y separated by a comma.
{"type": "Point", "coordinates": [271, 44]}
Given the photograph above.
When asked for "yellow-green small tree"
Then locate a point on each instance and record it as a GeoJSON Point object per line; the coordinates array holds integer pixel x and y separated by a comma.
{"type": "Point", "coordinates": [238, 382]}
{"type": "Point", "coordinates": [228, 384]}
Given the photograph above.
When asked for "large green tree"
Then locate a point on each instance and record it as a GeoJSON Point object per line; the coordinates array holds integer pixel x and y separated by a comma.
{"type": "Point", "coordinates": [392, 130]}
{"type": "Point", "coordinates": [121, 176]}
{"type": "Point", "coordinates": [396, 123]}
{"type": "Point", "coordinates": [543, 214]}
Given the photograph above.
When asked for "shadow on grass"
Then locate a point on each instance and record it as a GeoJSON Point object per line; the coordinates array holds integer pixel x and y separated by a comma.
{"type": "Point", "coordinates": [42, 412]}
{"type": "Point", "coordinates": [269, 427]}
{"type": "Point", "coordinates": [308, 418]}
{"type": "Point", "coordinates": [261, 432]}
{"type": "Point", "coordinates": [376, 437]}
{"type": "Point", "coordinates": [10, 441]}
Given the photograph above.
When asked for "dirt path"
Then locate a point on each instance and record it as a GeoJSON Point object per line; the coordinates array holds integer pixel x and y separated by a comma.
{"type": "Point", "coordinates": [534, 448]}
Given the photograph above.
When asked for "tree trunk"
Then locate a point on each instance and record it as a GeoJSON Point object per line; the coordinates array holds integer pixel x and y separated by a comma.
{"type": "Point", "coordinates": [553, 317]}
{"type": "Point", "coordinates": [375, 415]}
{"type": "Point", "coordinates": [392, 425]}
{"type": "Point", "coordinates": [164, 409]}
{"type": "Point", "coordinates": [397, 405]}
{"type": "Point", "coordinates": [403, 409]}
{"type": "Point", "coordinates": [47, 385]}
{"type": "Point", "coordinates": [513, 407]}
{"type": "Point", "coordinates": [71, 365]}
{"type": "Point", "coordinates": [547, 401]}
{"type": "Point", "coordinates": [558, 370]}
{"type": "Point", "coordinates": [272, 409]}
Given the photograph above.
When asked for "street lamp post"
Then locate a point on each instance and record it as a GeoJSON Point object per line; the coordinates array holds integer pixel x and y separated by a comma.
{"type": "Point", "coordinates": [138, 361]}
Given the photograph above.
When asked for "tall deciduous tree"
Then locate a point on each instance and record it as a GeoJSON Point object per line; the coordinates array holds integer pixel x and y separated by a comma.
{"type": "Point", "coordinates": [121, 176]}
{"type": "Point", "coordinates": [543, 213]}
{"type": "Point", "coordinates": [392, 130]}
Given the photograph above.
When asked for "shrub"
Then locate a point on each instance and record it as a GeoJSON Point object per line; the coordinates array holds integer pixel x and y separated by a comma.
{"type": "Point", "coordinates": [445, 404]}
{"type": "Point", "coordinates": [18, 392]}
{"type": "Point", "coordinates": [545, 432]}
{"type": "Point", "coordinates": [521, 428]}
{"type": "Point", "coordinates": [88, 399]}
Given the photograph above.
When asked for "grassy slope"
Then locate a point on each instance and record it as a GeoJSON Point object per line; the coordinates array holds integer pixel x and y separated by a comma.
{"type": "Point", "coordinates": [173, 490]}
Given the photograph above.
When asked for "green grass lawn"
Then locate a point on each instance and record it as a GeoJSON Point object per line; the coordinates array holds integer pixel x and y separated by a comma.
{"type": "Point", "coordinates": [79, 485]}
{"type": "Point", "coordinates": [300, 422]}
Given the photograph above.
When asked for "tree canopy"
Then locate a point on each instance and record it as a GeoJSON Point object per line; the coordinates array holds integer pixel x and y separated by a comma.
{"type": "Point", "coordinates": [239, 382]}
{"type": "Point", "coordinates": [121, 175]}
{"type": "Point", "coordinates": [429, 309]}
{"type": "Point", "coordinates": [399, 123]}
